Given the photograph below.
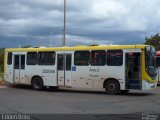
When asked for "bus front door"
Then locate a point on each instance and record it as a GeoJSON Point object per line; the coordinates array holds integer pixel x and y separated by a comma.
{"type": "Point", "coordinates": [64, 69]}
{"type": "Point", "coordinates": [19, 68]}
{"type": "Point", "coordinates": [133, 71]}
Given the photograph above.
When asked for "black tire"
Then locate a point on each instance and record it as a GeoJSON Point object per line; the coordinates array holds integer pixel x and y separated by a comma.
{"type": "Point", "coordinates": [112, 87]}
{"type": "Point", "coordinates": [37, 83]}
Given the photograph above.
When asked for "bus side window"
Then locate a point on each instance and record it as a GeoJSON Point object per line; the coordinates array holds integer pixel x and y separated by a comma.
{"type": "Point", "coordinates": [31, 58]}
{"type": "Point", "coordinates": [98, 58]}
{"type": "Point", "coordinates": [9, 58]}
{"type": "Point", "coordinates": [114, 57]}
{"type": "Point", "coordinates": [16, 62]}
{"type": "Point", "coordinates": [22, 61]}
{"type": "Point", "coordinates": [46, 58]}
{"type": "Point", "coordinates": [50, 58]}
{"type": "Point", "coordinates": [82, 58]}
{"type": "Point", "coordinates": [60, 62]}
{"type": "Point", "coordinates": [68, 62]}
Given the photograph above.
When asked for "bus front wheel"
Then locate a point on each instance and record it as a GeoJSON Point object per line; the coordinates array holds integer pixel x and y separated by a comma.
{"type": "Point", "coordinates": [112, 87]}
{"type": "Point", "coordinates": [37, 83]}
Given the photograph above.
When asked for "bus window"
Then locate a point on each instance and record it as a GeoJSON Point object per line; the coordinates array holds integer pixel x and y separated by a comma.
{"type": "Point", "coordinates": [98, 58]}
{"type": "Point", "coordinates": [68, 62]}
{"type": "Point", "coordinates": [60, 62]}
{"type": "Point", "coordinates": [151, 61]}
{"type": "Point", "coordinates": [46, 58]}
{"type": "Point", "coordinates": [22, 61]}
{"type": "Point", "coordinates": [114, 57]}
{"type": "Point", "coordinates": [31, 58]}
{"type": "Point", "coordinates": [82, 58]}
{"type": "Point", "coordinates": [9, 58]}
{"type": "Point", "coordinates": [16, 60]}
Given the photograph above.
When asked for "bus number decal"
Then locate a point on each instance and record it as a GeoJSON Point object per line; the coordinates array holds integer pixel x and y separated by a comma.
{"type": "Point", "coordinates": [48, 71]}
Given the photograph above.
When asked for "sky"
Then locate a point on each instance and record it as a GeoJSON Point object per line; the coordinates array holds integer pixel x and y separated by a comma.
{"type": "Point", "coordinates": [40, 22]}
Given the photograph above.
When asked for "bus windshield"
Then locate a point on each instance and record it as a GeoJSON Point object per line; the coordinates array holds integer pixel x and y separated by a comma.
{"type": "Point", "coordinates": [151, 61]}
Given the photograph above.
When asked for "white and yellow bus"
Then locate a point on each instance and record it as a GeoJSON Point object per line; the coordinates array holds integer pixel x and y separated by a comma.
{"type": "Point", "coordinates": [113, 67]}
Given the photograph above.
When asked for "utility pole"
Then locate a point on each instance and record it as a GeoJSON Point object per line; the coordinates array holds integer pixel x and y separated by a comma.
{"type": "Point", "coordinates": [50, 39]}
{"type": "Point", "coordinates": [64, 32]}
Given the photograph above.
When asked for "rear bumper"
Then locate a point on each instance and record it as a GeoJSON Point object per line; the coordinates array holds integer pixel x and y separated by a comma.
{"type": "Point", "coordinates": [147, 86]}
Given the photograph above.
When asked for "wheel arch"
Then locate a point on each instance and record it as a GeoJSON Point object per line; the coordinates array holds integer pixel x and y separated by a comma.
{"type": "Point", "coordinates": [110, 79]}
{"type": "Point", "coordinates": [35, 77]}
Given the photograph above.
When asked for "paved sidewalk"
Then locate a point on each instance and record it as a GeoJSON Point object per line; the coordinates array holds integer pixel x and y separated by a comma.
{"type": "Point", "coordinates": [2, 83]}
{"type": "Point", "coordinates": [3, 86]}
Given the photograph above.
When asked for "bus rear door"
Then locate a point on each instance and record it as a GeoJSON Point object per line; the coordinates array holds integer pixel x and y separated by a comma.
{"type": "Point", "coordinates": [64, 69]}
{"type": "Point", "coordinates": [19, 68]}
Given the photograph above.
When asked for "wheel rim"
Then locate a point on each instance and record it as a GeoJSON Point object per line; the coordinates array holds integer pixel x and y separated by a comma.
{"type": "Point", "coordinates": [111, 87]}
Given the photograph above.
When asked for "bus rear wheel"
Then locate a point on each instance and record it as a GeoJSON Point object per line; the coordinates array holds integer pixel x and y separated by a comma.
{"type": "Point", "coordinates": [37, 83]}
{"type": "Point", "coordinates": [112, 87]}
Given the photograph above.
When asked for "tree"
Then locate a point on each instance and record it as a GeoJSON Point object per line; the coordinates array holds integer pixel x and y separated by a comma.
{"type": "Point", "coordinates": [154, 41]}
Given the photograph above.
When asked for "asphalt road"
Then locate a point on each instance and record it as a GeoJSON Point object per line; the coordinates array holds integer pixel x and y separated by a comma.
{"type": "Point", "coordinates": [24, 100]}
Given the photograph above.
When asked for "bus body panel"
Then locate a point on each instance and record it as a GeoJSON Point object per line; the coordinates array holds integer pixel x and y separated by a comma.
{"type": "Point", "coordinates": [8, 68]}
{"type": "Point", "coordinates": [9, 74]}
{"type": "Point", "coordinates": [68, 78]}
{"type": "Point", "coordinates": [118, 73]}
{"type": "Point", "coordinates": [80, 77]}
{"type": "Point", "coordinates": [47, 73]}
{"type": "Point", "coordinates": [94, 77]}
{"type": "Point", "coordinates": [98, 74]}
{"type": "Point", "coordinates": [31, 71]}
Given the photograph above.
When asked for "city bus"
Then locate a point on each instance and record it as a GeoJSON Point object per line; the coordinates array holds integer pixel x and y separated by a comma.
{"type": "Point", "coordinates": [158, 65]}
{"type": "Point", "coordinates": [114, 68]}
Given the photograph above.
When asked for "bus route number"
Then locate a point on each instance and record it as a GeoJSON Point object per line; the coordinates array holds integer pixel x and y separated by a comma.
{"type": "Point", "coordinates": [48, 71]}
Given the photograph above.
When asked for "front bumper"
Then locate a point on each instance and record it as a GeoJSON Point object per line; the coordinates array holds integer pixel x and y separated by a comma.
{"type": "Point", "coordinates": [147, 86]}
